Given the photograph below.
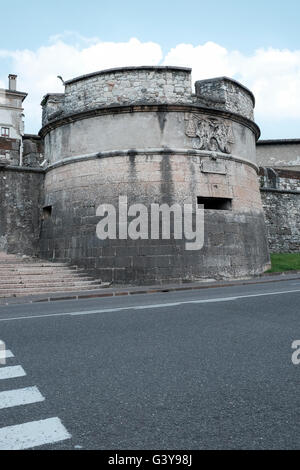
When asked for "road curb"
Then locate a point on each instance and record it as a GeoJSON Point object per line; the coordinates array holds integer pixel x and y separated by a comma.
{"type": "Point", "coordinates": [266, 278]}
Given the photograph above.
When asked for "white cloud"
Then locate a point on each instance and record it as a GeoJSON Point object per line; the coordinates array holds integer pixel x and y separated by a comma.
{"type": "Point", "coordinates": [37, 70]}
{"type": "Point", "coordinates": [273, 75]}
{"type": "Point", "coordinates": [207, 61]}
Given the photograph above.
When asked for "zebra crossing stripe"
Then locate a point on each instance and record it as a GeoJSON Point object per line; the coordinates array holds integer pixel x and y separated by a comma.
{"type": "Point", "coordinates": [11, 372]}
{"type": "Point", "coordinates": [33, 434]}
{"type": "Point", "coordinates": [5, 354]}
{"type": "Point", "coordinates": [23, 396]}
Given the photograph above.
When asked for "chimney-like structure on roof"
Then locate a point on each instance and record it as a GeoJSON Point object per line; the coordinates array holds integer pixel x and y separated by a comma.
{"type": "Point", "coordinates": [12, 82]}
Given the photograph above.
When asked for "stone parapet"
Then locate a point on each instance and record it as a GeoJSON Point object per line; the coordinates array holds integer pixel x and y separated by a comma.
{"type": "Point", "coordinates": [53, 107]}
{"type": "Point", "coordinates": [227, 94]}
{"type": "Point", "coordinates": [128, 86]}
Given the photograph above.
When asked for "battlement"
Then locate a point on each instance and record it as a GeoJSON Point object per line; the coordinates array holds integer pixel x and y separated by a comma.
{"type": "Point", "coordinates": [226, 93]}
{"type": "Point", "coordinates": [127, 86]}
{"type": "Point", "coordinates": [146, 85]}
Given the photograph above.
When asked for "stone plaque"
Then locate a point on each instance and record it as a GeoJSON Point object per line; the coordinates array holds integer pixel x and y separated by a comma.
{"type": "Point", "coordinates": [213, 166]}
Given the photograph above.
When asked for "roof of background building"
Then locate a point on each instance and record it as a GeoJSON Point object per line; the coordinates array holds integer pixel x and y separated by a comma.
{"type": "Point", "coordinates": [278, 142]}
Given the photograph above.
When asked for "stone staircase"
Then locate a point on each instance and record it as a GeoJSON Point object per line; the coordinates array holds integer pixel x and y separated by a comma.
{"type": "Point", "coordinates": [20, 276]}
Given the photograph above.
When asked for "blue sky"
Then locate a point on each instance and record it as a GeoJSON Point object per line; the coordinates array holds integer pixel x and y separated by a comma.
{"type": "Point", "coordinates": [255, 42]}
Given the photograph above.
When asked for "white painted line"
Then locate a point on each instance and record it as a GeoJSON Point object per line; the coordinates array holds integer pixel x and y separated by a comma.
{"type": "Point", "coordinates": [175, 304]}
{"type": "Point", "coordinates": [23, 396]}
{"type": "Point", "coordinates": [34, 434]}
{"type": "Point", "coordinates": [2, 351]}
{"type": "Point", "coordinates": [11, 372]}
{"type": "Point", "coordinates": [6, 354]}
{"type": "Point", "coordinates": [150, 306]}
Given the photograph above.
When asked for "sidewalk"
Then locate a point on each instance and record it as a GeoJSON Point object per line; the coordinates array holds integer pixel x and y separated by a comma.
{"type": "Point", "coordinates": [132, 290]}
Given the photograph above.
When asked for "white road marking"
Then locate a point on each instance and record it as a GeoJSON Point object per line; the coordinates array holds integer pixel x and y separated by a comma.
{"type": "Point", "coordinates": [6, 354]}
{"type": "Point", "coordinates": [2, 351]}
{"type": "Point", "coordinates": [150, 306]}
{"type": "Point", "coordinates": [11, 372]}
{"type": "Point", "coordinates": [34, 434]}
{"type": "Point", "coordinates": [175, 304]}
{"type": "Point", "coordinates": [23, 396]}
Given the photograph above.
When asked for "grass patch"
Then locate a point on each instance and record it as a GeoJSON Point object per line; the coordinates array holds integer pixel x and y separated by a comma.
{"type": "Point", "coordinates": [284, 262]}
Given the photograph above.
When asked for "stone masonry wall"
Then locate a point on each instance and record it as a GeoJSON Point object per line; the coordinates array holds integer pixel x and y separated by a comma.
{"type": "Point", "coordinates": [53, 106]}
{"type": "Point", "coordinates": [235, 243]}
{"type": "Point", "coordinates": [227, 94]}
{"type": "Point", "coordinates": [32, 151]}
{"type": "Point", "coordinates": [128, 86]}
{"type": "Point", "coordinates": [281, 201]}
{"type": "Point", "coordinates": [140, 132]}
{"type": "Point", "coordinates": [283, 153]}
{"type": "Point", "coordinates": [282, 214]}
{"type": "Point", "coordinates": [10, 151]}
{"type": "Point", "coordinates": [20, 196]}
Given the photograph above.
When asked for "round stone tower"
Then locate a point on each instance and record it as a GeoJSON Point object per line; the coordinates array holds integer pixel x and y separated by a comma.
{"type": "Point", "coordinates": [140, 133]}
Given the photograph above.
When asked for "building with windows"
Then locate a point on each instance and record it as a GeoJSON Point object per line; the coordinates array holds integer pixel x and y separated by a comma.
{"type": "Point", "coordinates": [11, 122]}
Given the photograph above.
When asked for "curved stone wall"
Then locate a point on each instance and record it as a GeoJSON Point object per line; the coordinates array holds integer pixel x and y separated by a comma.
{"type": "Point", "coordinates": [151, 127]}
{"type": "Point", "coordinates": [173, 151]}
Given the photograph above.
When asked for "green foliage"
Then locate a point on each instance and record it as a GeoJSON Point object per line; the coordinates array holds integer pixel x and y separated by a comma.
{"type": "Point", "coordinates": [285, 262]}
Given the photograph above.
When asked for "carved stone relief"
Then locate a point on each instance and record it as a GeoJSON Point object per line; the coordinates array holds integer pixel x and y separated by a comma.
{"type": "Point", "coordinates": [209, 133]}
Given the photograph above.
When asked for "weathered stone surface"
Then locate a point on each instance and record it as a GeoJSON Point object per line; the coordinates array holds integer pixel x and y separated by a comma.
{"type": "Point", "coordinates": [33, 150]}
{"type": "Point", "coordinates": [10, 151]}
{"type": "Point", "coordinates": [132, 85]}
{"type": "Point", "coordinates": [225, 93]}
{"type": "Point", "coordinates": [235, 241]}
{"type": "Point", "coordinates": [20, 196]}
{"type": "Point", "coordinates": [52, 105]}
{"type": "Point", "coordinates": [280, 153]}
{"type": "Point", "coordinates": [141, 133]}
{"type": "Point", "coordinates": [281, 201]}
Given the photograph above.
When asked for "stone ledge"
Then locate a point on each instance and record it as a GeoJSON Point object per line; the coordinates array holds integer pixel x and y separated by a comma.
{"type": "Point", "coordinates": [281, 191]}
{"type": "Point", "coordinates": [20, 169]}
{"type": "Point", "coordinates": [154, 151]}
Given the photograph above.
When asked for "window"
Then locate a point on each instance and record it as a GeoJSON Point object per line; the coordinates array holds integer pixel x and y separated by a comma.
{"type": "Point", "coordinates": [215, 203]}
{"type": "Point", "coordinates": [4, 131]}
{"type": "Point", "coordinates": [47, 212]}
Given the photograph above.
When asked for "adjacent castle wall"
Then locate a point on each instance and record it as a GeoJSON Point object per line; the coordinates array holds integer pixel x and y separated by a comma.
{"type": "Point", "coordinates": [33, 151]}
{"type": "Point", "coordinates": [284, 154]}
{"type": "Point", "coordinates": [20, 215]}
{"type": "Point", "coordinates": [281, 201]}
{"type": "Point", "coordinates": [10, 151]}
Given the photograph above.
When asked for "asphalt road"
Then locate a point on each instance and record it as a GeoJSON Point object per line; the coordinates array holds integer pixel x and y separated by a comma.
{"type": "Point", "coordinates": [207, 369]}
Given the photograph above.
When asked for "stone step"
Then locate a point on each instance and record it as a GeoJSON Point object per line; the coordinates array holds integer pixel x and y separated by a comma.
{"type": "Point", "coordinates": [22, 292]}
{"type": "Point", "coordinates": [40, 279]}
{"type": "Point", "coordinates": [39, 272]}
{"type": "Point", "coordinates": [31, 276]}
{"type": "Point", "coordinates": [31, 264]}
{"type": "Point", "coordinates": [47, 284]}
{"type": "Point", "coordinates": [35, 266]}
